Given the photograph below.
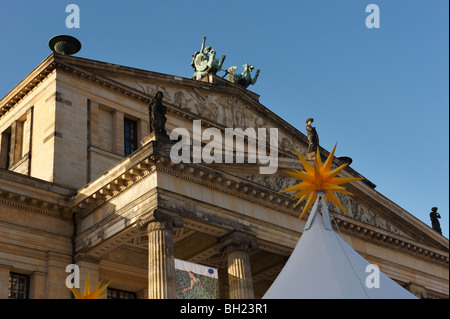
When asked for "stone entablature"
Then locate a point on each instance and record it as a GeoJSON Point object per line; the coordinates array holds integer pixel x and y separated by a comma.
{"type": "Point", "coordinates": [41, 197]}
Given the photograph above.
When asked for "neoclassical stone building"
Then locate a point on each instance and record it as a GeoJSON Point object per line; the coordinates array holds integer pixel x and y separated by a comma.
{"type": "Point", "coordinates": [81, 181]}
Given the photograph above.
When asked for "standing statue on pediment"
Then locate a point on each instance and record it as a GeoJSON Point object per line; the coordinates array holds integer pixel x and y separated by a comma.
{"type": "Point", "coordinates": [157, 115]}
{"type": "Point", "coordinates": [434, 216]}
{"type": "Point", "coordinates": [204, 62]}
{"type": "Point", "coordinates": [313, 139]}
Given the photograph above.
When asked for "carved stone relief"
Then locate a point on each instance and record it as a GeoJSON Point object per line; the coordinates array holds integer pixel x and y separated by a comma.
{"type": "Point", "coordinates": [272, 182]}
{"type": "Point", "coordinates": [151, 89]}
{"type": "Point", "coordinates": [356, 210]}
{"type": "Point", "coordinates": [287, 145]}
{"type": "Point", "coordinates": [184, 101]}
{"type": "Point", "coordinates": [228, 111]}
{"type": "Point", "coordinates": [363, 214]}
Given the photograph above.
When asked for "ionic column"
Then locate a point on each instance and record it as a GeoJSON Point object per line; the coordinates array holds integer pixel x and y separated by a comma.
{"type": "Point", "coordinates": [237, 247]}
{"type": "Point", "coordinates": [161, 264]}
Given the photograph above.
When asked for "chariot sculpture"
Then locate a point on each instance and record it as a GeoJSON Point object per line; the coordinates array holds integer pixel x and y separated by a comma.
{"type": "Point", "coordinates": [245, 78]}
{"type": "Point", "coordinates": [204, 62]}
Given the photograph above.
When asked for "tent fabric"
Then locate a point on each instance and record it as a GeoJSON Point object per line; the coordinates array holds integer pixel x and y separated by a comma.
{"type": "Point", "coordinates": [324, 266]}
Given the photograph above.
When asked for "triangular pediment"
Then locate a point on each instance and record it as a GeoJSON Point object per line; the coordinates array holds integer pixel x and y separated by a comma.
{"type": "Point", "coordinates": [215, 101]}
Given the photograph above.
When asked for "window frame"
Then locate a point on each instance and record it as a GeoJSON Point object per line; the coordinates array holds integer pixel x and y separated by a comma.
{"type": "Point", "coordinates": [19, 276]}
{"type": "Point", "coordinates": [118, 292]}
{"type": "Point", "coordinates": [130, 142]}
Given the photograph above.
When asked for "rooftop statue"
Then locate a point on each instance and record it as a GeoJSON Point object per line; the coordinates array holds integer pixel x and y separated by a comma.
{"type": "Point", "coordinates": [313, 139]}
{"type": "Point", "coordinates": [434, 216]}
{"type": "Point", "coordinates": [204, 62]}
{"type": "Point", "coordinates": [157, 115]}
{"type": "Point", "coordinates": [244, 79]}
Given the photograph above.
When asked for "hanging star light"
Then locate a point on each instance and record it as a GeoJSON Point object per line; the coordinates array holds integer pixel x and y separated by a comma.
{"type": "Point", "coordinates": [94, 294]}
{"type": "Point", "coordinates": [318, 178]}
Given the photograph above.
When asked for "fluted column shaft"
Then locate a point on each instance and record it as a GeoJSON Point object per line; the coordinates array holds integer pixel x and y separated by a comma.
{"type": "Point", "coordinates": [237, 247]}
{"type": "Point", "coordinates": [239, 275]}
{"type": "Point", "coordinates": [161, 263]}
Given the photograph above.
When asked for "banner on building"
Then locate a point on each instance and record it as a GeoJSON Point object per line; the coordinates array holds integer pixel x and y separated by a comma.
{"type": "Point", "coordinates": [196, 281]}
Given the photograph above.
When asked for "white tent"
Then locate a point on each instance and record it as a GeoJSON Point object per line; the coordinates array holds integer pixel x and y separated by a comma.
{"type": "Point", "coordinates": [324, 266]}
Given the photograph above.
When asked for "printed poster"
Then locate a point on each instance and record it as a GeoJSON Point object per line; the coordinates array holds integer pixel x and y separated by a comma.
{"type": "Point", "coordinates": [196, 281]}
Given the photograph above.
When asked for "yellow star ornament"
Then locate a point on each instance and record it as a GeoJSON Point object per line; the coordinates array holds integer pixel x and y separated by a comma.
{"type": "Point", "coordinates": [94, 294]}
{"type": "Point", "coordinates": [318, 178]}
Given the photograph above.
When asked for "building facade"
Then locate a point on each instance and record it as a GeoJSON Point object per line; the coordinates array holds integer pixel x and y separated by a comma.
{"type": "Point", "coordinates": [82, 182]}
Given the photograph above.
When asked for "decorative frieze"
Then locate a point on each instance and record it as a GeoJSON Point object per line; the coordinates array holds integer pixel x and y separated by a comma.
{"type": "Point", "coordinates": [393, 241]}
{"type": "Point", "coordinates": [34, 205]}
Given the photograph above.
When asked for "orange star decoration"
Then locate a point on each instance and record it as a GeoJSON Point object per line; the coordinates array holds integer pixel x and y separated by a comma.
{"type": "Point", "coordinates": [94, 294]}
{"type": "Point", "coordinates": [318, 178]}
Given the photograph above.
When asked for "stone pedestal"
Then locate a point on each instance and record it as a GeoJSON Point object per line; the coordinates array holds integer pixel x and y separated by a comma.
{"type": "Point", "coordinates": [161, 263]}
{"type": "Point", "coordinates": [154, 137]}
{"type": "Point", "coordinates": [237, 247]}
{"type": "Point", "coordinates": [310, 156]}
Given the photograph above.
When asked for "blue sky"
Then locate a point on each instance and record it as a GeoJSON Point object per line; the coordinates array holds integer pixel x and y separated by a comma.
{"type": "Point", "coordinates": [382, 94]}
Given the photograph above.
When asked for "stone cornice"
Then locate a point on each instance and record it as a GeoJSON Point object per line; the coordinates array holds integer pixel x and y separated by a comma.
{"type": "Point", "coordinates": [27, 85]}
{"type": "Point", "coordinates": [85, 202]}
{"type": "Point", "coordinates": [230, 185]}
{"type": "Point", "coordinates": [396, 215]}
{"type": "Point", "coordinates": [31, 194]}
{"type": "Point", "coordinates": [381, 237]}
{"type": "Point", "coordinates": [35, 205]}
{"type": "Point", "coordinates": [79, 68]}
{"type": "Point", "coordinates": [213, 83]}
{"type": "Point", "coordinates": [129, 172]}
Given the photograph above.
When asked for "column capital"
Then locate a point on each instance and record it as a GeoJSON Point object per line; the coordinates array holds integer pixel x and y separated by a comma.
{"type": "Point", "coordinates": [158, 219]}
{"type": "Point", "coordinates": [237, 241]}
